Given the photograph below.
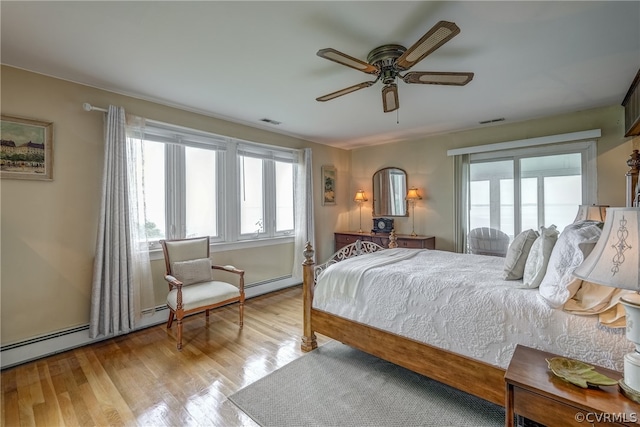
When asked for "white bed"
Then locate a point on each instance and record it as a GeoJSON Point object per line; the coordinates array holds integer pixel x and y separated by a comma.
{"type": "Point", "coordinates": [453, 318]}
{"type": "Point", "coordinates": [460, 303]}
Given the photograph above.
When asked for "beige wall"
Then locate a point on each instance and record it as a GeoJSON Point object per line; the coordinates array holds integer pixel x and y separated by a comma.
{"type": "Point", "coordinates": [430, 169]}
{"type": "Point", "coordinates": [48, 229]}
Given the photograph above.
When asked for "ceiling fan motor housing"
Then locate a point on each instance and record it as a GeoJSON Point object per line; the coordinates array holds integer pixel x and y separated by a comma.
{"type": "Point", "coordinates": [384, 57]}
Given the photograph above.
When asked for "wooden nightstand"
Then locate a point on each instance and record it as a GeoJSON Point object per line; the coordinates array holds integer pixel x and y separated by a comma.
{"type": "Point", "coordinates": [535, 393]}
{"type": "Point", "coordinates": [344, 238]}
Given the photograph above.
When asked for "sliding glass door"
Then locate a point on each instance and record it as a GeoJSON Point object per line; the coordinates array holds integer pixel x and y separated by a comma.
{"type": "Point", "coordinates": [522, 190]}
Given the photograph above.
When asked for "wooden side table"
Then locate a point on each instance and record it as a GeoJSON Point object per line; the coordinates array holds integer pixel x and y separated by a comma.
{"type": "Point", "coordinates": [535, 393]}
{"type": "Point", "coordinates": [343, 238]}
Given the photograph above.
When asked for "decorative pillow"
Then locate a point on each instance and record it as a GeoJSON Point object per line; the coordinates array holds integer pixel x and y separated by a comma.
{"type": "Point", "coordinates": [517, 254]}
{"type": "Point", "coordinates": [574, 244]}
{"type": "Point", "coordinates": [536, 265]}
{"type": "Point", "coordinates": [192, 271]}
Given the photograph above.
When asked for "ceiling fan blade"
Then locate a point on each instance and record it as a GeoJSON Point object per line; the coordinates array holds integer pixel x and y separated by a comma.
{"type": "Point", "coordinates": [438, 78]}
{"type": "Point", "coordinates": [344, 91]}
{"type": "Point", "coordinates": [349, 61]}
{"type": "Point", "coordinates": [438, 35]}
{"type": "Point", "coordinates": [390, 98]}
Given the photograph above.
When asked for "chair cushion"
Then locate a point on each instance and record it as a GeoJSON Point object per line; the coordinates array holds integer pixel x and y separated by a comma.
{"type": "Point", "coordinates": [202, 294]}
{"type": "Point", "coordinates": [192, 271]}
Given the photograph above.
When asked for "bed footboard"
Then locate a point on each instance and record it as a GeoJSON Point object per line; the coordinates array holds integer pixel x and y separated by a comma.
{"type": "Point", "coordinates": [478, 378]}
{"type": "Point", "coordinates": [310, 273]}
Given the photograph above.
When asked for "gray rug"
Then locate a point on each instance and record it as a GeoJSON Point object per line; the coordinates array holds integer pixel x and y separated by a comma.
{"type": "Point", "coordinates": [337, 385]}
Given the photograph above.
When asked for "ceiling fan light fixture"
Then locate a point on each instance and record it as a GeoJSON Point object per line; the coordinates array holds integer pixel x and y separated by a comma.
{"type": "Point", "coordinates": [390, 100]}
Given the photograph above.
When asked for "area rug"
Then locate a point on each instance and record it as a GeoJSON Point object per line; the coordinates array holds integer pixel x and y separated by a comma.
{"type": "Point", "coordinates": [337, 385]}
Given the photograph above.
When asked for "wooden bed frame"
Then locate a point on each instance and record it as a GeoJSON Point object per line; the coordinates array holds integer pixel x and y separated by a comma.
{"type": "Point", "coordinates": [461, 372]}
{"type": "Point", "coordinates": [466, 374]}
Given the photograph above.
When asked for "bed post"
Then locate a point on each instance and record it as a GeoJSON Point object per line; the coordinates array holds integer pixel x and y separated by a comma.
{"type": "Point", "coordinates": [632, 177]}
{"type": "Point", "coordinates": [308, 337]}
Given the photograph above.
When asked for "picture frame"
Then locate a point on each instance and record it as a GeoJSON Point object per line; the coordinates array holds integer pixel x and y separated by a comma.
{"type": "Point", "coordinates": [26, 149]}
{"type": "Point", "coordinates": [329, 176]}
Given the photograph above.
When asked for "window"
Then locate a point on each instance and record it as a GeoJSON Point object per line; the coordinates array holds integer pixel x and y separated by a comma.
{"type": "Point", "coordinates": [520, 189]}
{"type": "Point", "coordinates": [200, 184]}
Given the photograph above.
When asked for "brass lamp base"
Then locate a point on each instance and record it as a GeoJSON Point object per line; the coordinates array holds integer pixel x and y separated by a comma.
{"type": "Point", "coordinates": [629, 392]}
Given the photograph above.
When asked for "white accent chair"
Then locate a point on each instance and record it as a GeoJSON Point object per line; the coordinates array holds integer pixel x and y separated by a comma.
{"type": "Point", "coordinates": [488, 241]}
{"type": "Point", "coordinates": [191, 285]}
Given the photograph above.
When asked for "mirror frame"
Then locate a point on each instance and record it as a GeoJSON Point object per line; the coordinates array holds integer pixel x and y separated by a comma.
{"type": "Point", "coordinates": [373, 196]}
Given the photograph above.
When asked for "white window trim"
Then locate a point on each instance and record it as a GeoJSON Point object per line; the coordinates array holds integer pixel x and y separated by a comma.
{"type": "Point", "coordinates": [591, 134]}
{"type": "Point", "coordinates": [589, 161]}
{"type": "Point", "coordinates": [229, 237]}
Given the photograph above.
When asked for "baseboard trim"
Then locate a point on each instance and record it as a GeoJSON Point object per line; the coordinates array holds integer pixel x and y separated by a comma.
{"type": "Point", "coordinates": [58, 342]}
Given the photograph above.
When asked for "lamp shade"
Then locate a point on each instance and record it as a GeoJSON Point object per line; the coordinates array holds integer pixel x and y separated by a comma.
{"type": "Point", "coordinates": [413, 194]}
{"type": "Point", "coordinates": [592, 213]}
{"type": "Point", "coordinates": [615, 259]}
{"type": "Point", "coordinates": [360, 197]}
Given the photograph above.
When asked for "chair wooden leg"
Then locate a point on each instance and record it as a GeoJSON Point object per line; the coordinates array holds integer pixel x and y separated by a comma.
{"type": "Point", "coordinates": [241, 313]}
{"type": "Point", "coordinates": [206, 313]}
{"type": "Point", "coordinates": [179, 334]}
{"type": "Point", "coordinates": [170, 321]}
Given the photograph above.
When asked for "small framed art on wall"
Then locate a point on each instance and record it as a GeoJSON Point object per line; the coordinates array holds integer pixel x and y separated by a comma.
{"type": "Point", "coordinates": [328, 185]}
{"type": "Point", "coordinates": [26, 150]}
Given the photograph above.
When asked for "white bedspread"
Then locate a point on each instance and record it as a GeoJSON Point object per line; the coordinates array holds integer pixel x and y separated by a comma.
{"type": "Point", "coordinates": [343, 282]}
{"type": "Point", "coordinates": [459, 302]}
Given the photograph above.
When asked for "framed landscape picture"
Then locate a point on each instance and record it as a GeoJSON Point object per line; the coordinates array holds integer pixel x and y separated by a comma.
{"type": "Point", "coordinates": [26, 149]}
{"type": "Point", "coordinates": [328, 185]}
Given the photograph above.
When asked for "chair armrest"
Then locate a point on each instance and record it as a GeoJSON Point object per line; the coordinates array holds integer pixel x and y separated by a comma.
{"type": "Point", "coordinates": [173, 281]}
{"type": "Point", "coordinates": [232, 269]}
{"type": "Point", "coordinates": [229, 268]}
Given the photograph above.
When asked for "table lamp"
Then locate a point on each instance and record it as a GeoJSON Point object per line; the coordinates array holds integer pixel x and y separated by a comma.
{"type": "Point", "coordinates": [591, 213]}
{"type": "Point", "coordinates": [615, 262]}
{"type": "Point", "coordinates": [412, 198]}
{"type": "Point", "coordinates": [360, 198]}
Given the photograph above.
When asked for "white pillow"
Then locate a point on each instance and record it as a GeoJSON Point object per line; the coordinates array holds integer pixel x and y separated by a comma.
{"type": "Point", "coordinates": [574, 244]}
{"type": "Point", "coordinates": [517, 254]}
{"type": "Point", "coordinates": [536, 265]}
{"type": "Point", "coordinates": [192, 271]}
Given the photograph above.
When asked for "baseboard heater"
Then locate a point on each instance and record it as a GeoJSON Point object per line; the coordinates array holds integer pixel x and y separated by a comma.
{"type": "Point", "coordinates": [57, 342]}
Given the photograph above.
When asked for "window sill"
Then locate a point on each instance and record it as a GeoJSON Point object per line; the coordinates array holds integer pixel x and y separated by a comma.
{"type": "Point", "coordinates": [156, 254]}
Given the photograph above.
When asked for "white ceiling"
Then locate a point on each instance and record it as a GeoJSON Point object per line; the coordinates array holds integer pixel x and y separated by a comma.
{"type": "Point", "coordinates": [244, 61]}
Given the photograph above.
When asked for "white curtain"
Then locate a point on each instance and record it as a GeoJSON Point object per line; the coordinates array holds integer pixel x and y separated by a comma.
{"type": "Point", "coordinates": [461, 202]}
{"type": "Point", "coordinates": [305, 228]}
{"type": "Point", "coordinates": [121, 267]}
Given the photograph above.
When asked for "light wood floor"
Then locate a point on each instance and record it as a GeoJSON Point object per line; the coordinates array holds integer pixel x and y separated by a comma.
{"type": "Point", "coordinates": [141, 379]}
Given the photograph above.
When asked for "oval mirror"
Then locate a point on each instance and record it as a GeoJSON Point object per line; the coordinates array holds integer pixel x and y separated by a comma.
{"type": "Point", "coordinates": [389, 191]}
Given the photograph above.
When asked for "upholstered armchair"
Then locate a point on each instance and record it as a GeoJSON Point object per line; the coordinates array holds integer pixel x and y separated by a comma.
{"type": "Point", "coordinates": [488, 241]}
{"type": "Point", "coordinates": [191, 286]}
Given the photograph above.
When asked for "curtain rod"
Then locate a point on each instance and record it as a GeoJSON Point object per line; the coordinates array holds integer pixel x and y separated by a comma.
{"type": "Point", "coordinates": [88, 107]}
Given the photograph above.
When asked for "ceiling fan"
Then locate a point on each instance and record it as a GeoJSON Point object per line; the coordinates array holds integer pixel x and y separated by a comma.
{"type": "Point", "coordinates": [387, 62]}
